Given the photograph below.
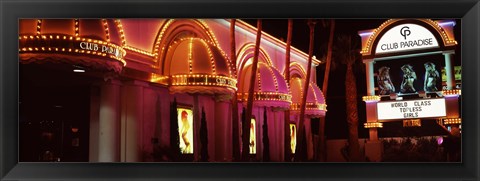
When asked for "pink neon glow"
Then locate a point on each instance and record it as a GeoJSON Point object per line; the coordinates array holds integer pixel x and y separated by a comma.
{"type": "Point", "coordinates": [366, 34]}
{"type": "Point", "coordinates": [440, 140]}
{"type": "Point", "coordinates": [452, 95]}
{"type": "Point", "coordinates": [447, 23]}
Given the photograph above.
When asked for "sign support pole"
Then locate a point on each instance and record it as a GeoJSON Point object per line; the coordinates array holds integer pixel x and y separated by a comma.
{"type": "Point", "coordinates": [449, 70]}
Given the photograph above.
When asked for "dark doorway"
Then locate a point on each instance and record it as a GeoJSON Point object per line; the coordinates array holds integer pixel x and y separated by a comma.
{"type": "Point", "coordinates": [54, 113]}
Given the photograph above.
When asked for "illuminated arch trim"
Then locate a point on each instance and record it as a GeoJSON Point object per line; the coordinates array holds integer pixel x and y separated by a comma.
{"type": "Point", "coordinates": [161, 35]}
{"type": "Point", "coordinates": [298, 69]}
{"type": "Point", "coordinates": [39, 26]}
{"type": "Point", "coordinates": [122, 35]}
{"type": "Point", "coordinates": [440, 31]}
{"type": "Point", "coordinates": [247, 51]}
{"type": "Point", "coordinates": [313, 108]}
{"type": "Point", "coordinates": [118, 22]}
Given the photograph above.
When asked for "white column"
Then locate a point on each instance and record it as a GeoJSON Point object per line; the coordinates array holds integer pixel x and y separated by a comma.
{"type": "Point", "coordinates": [132, 121]}
{"type": "Point", "coordinates": [280, 120]}
{"type": "Point", "coordinates": [369, 76]}
{"type": "Point", "coordinates": [258, 131]}
{"type": "Point", "coordinates": [151, 108]}
{"type": "Point", "coordinates": [197, 116]}
{"type": "Point", "coordinates": [228, 132]}
{"type": "Point", "coordinates": [449, 70]}
{"type": "Point", "coordinates": [94, 121]}
{"type": "Point", "coordinates": [109, 120]}
{"type": "Point", "coordinates": [221, 119]}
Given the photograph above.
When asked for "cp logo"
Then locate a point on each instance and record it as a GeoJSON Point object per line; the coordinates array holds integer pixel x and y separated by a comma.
{"type": "Point", "coordinates": [405, 31]}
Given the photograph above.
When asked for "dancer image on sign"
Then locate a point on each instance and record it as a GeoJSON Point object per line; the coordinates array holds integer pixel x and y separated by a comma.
{"type": "Point", "coordinates": [409, 77]}
{"type": "Point", "coordinates": [252, 137]}
{"type": "Point", "coordinates": [184, 131]}
{"type": "Point", "coordinates": [431, 77]}
{"type": "Point", "coordinates": [293, 138]}
{"type": "Point", "coordinates": [384, 82]}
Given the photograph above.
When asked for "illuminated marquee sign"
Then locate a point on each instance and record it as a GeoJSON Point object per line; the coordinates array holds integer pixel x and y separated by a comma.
{"type": "Point", "coordinates": [266, 96]}
{"type": "Point", "coordinates": [412, 123]}
{"type": "Point", "coordinates": [425, 108]}
{"type": "Point", "coordinates": [308, 106]}
{"type": "Point", "coordinates": [406, 37]}
{"type": "Point", "coordinates": [70, 45]}
{"type": "Point", "coordinates": [101, 48]}
{"type": "Point", "coordinates": [204, 80]}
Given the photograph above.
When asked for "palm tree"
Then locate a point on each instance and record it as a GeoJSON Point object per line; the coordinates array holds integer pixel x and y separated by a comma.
{"type": "Point", "coordinates": [248, 115]}
{"type": "Point", "coordinates": [235, 131]}
{"type": "Point", "coordinates": [287, 149]}
{"type": "Point", "coordinates": [347, 52]}
{"type": "Point", "coordinates": [329, 55]}
{"type": "Point", "coordinates": [321, 131]}
{"type": "Point", "coordinates": [300, 153]}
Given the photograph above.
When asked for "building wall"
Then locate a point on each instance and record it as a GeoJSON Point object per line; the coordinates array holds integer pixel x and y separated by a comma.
{"type": "Point", "coordinates": [145, 107]}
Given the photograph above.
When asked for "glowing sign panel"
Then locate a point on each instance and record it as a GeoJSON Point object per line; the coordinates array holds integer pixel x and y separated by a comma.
{"type": "Point", "coordinates": [293, 137]}
{"type": "Point", "coordinates": [406, 37]}
{"type": "Point", "coordinates": [185, 130]}
{"type": "Point", "coordinates": [253, 142]}
{"type": "Point", "coordinates": [427, 108]}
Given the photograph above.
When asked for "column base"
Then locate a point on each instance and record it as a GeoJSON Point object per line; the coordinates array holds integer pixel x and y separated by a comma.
{"type": "Point", "coordinates": [374, 151]}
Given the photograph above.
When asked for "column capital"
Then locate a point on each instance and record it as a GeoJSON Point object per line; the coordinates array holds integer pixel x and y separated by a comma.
{"type": "Point", "coordinates": [367, 60]}
{"type": "Point", "coordinates": [137, 83]}
{"type": "Point", "coordinates": [114, 82]}
{"type": "Point", "coordinates": [109, 76]}
{"type": "Point", "coordinates": [222, 97]}
{"type": "Point", "coordinates": [448, 52]}
{"type": "Point", "coordinates": [110, 81]}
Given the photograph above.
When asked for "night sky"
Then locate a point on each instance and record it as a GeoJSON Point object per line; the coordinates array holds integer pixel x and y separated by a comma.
{"type": "Point", "coordinates": [336, 124]}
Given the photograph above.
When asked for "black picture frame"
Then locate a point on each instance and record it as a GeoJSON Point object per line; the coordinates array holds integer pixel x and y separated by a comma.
{"type": "Point", "coordinates": [11, 11]}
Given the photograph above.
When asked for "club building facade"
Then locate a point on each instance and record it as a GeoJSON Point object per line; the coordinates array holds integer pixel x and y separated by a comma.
{"type": "Point", "coordinates": [103, 89]}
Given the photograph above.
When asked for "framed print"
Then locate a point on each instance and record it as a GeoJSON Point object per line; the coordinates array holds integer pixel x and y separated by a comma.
{"type": "Point", "coordinates": [291, 90]}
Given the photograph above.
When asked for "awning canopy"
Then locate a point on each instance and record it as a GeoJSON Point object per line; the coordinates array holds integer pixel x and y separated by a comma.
{"type": "Point", "coordinates": [270, 87]}
{"type": "Point", "coordinates": [94, 43]}
{"type": "Point", "coordinates": [315, 104]}
{"type": "Point", "coordinates": [193, 65]}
